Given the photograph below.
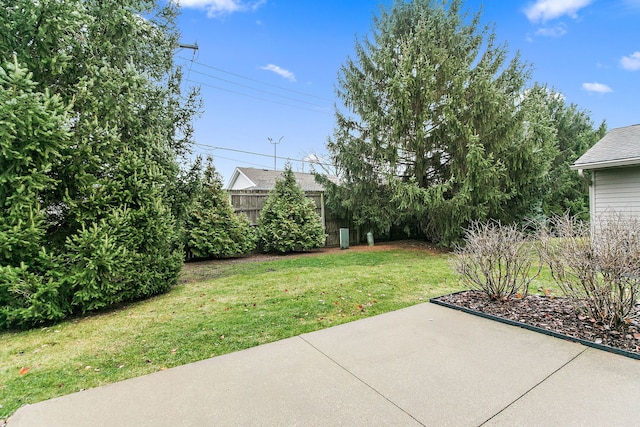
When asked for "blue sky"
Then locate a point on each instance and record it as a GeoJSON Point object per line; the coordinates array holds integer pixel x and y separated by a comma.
{"type": "Point", "coordinates": [268, 68]}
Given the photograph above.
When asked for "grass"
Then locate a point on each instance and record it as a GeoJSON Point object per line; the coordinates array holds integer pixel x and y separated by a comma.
{"type": "Point", "coordinates": [217, 308]}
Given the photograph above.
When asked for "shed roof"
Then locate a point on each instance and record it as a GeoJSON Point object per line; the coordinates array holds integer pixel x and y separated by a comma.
{"type": "Point", "coordinates": [263, 179]}
{"type": "Point", "coordinates": [619, 147]}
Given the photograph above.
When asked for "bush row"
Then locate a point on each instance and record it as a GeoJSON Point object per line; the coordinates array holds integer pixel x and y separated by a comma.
{"type": "Point", "coordinates": [133, 254]}
{"type": "Point", "coordinates": [288, 222]}
{"type": "Point", "coordinates": [596, 265]}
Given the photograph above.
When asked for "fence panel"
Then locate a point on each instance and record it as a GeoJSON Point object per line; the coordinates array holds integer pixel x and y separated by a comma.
{"type": "Point", "coordinates": [250, 202]}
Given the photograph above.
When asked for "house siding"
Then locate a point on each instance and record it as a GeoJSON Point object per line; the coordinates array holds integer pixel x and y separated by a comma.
{"type": "Point", "coordinates": [615, 192]}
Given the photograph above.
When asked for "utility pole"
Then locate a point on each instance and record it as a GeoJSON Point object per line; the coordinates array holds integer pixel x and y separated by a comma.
{"type": "Point", "coordinates": [274, 150]}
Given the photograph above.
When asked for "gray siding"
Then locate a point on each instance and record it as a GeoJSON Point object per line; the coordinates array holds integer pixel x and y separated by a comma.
{"type": "Point", "coordinates": [615, 191]}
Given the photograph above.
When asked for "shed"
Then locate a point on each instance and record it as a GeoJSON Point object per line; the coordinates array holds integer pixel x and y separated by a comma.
{"type": "Point", "coordinates": [614, 165]}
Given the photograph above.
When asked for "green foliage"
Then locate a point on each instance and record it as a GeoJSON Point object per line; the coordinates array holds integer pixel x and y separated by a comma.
{"type": "Point", "coordinates": [213, 229]}
{"type": "Point", "coordinates": [436, 130]}
{"type": "Point", "coordinates": [98, 266]}
{"type": "Point", "coordinates": [130, 252]}
{"type": "Point", "coordinates": [93, 126]}
{"type": "Point", "coordinates": [32, 295]}
{"type": "Point", "coordinates": [288, 221]}
{"type": "Point", "coordinates": [565, 191]}
{"type": "Point", "coordinates": [33, 132]}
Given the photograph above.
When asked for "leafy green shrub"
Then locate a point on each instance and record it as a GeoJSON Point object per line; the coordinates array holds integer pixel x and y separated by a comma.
{"type": "Point", "coordinates": [91, 131]}
{"type": "Point", "coordinates": [126, 246]}
{"type": "Point", "coordinates": [33, 132]}
{"type": "Point", "coordinates": [157, 255]}
{"type": "Point", "coordinates": [497, 259]}
{"type": "Point", "coordinates": [597, 265]}
{"type": "Point", "coordinates": [32, 294]}
{"type": "Point", "coordinates": [213, 229]}
{"type": "Point", "coordinates": [99, 267]}
{"type": "Point", "coordinates": [288, 221]}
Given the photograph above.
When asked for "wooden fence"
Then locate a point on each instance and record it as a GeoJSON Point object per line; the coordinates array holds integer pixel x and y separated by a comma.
{"type": "Point", "coordinates": [250, 202]}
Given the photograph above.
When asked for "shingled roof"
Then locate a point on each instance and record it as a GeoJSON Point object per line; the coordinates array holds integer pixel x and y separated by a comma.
{"type": "Point", "coordinates": [263, 179]}
{"type": "Point", "coordinates": [619, 147]}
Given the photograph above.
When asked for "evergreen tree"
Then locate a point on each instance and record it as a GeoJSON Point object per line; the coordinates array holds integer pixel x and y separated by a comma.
{"type": "Point", "coordinates": [108, 207]}
{"type": "Point", "coordinates": [575, 132]}
{"type": "Point", "coordinates": [436, 129]}
{"type": "Point", "coordinates": [213, 229]}
{"type": "Point", "coordinates": [288, 220]}
{"type": "Point", "coordinates": [33, 133]}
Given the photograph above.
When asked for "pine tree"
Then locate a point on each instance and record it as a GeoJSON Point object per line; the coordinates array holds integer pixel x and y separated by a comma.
{"type": "Point", "coordinates": [213, 229]}
{"type": "Point", "coordinates": [33, 134]}
{"type": "Point", "coordinates": [108, 208]}
{"type": "Point", "coordinates": [436, 129]}
{"type": "Point", "coordinates": [288, 220]}
{"type": "Point", "coordinates": [564, 190]}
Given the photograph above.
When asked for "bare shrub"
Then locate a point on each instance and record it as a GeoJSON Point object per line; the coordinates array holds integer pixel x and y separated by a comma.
{"type": "Point", "coordinates": [598, 265]}
{"type": "Point", "coordinates": [497, 259]}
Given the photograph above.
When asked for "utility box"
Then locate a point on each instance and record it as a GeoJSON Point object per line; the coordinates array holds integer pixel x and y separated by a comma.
{"type": "Point", "coordinates": [344, 238]}
{"type": "Point", "coordinates": [370, 238]}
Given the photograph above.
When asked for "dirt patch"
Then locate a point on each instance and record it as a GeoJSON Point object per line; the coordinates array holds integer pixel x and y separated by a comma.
{"type": "Point", "coordinates": [559, 315]}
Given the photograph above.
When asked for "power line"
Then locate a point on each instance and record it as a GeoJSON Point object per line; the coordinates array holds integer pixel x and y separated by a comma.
{"type": "Point", "coordinates": [257, 97]}
{"type": "Point", "coordinates": [255, 80]}
{"type": "Point", "coordinates": [212, 147]}
{"type": "Point", "coordinates": [259, 90]}
{"type": "Point", "coordinates": [261, 166]}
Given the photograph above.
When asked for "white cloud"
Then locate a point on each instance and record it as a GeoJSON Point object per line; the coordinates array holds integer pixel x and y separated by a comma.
{"type": "Point", "coordinates": [557, 31]}
{"type": "Point", "coordinates": [631, 62]}
{"type": "Point", "coordinates": [216, 8]}
{"type": "Point", "coordinates": [545, 10]}
{"type": "Point", "coordinates": [596, 87]}
{"type": "Point", "coordinates": [280, 71]}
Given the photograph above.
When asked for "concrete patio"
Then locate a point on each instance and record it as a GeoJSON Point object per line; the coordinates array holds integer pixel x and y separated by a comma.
{"type": "Point", "coordinates": [424, 365]}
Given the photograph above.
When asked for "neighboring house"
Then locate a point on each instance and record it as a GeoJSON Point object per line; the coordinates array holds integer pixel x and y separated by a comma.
{"type": "Point", "coordinates": [614, 164]}
{"type": "Point", "coordinates": [250, 187]}
{"type": "Point", "coordinates": [263, 179]}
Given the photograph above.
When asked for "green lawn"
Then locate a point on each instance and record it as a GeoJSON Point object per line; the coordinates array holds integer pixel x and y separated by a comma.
{"type": "Point", "coordinates": [218, 307]}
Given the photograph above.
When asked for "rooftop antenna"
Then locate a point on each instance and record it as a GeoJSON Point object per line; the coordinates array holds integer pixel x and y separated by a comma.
{"type": "Point", "coordinates": [274, 150]}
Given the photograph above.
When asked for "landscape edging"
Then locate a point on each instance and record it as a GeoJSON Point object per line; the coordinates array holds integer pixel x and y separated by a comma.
{"type": "Point", "coordinates": [535, 328]}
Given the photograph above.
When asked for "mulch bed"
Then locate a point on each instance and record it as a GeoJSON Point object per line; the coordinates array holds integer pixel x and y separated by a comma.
{"type": "Point", "coordinates": [558, 315]}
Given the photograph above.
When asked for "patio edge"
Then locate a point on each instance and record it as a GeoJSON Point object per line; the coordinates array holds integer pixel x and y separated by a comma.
{"type": "Point", "coordinates": [535, 328]}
